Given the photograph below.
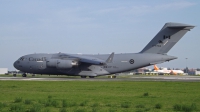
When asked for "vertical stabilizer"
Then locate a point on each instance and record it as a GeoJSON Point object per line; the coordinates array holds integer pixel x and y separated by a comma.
{"type": "Point", "coordinates": [155, 67]}
{"type": "Point", "coordinates": [166, 38]}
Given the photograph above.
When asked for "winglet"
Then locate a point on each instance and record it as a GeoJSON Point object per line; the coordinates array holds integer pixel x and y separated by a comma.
{"type": "Point", "coordinates": [110, 58]}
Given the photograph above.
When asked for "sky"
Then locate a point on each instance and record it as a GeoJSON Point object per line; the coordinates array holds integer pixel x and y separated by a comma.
{"type": "Point", "coordinates": [91, 27]}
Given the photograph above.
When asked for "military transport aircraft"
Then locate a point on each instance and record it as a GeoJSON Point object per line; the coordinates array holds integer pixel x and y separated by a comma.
{"type": "Point", "coordinates": [104, 64]}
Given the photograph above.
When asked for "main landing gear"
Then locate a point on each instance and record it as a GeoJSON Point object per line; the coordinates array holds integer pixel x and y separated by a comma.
{"type": "Point", "coordinates": [86, 76]}
{"type": "Point", "coordinates": [24, 75]}
{"type": "Point", "coordinates": [91, 76]}
{"type": "Point", "coordinates": [83, 76]}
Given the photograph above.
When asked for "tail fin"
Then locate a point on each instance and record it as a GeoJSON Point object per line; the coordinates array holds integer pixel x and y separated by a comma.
{"type": "Point", "coordinates": [173, 73]}
{"type": "Point", "coordinates": [155, 67]}
{"type": "Point", "coordinates": [166, 38]}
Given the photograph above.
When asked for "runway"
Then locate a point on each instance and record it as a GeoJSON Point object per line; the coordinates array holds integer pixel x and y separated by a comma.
{"type": "Point", "coordinates": [130, 78]}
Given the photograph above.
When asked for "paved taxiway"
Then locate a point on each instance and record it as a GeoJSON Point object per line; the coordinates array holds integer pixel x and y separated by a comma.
{"type": "Point", "coordinates": [134, 78]}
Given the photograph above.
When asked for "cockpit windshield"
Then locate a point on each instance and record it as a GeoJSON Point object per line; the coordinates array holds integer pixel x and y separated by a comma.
{"type": "Point", "coordinates": [21, 59]}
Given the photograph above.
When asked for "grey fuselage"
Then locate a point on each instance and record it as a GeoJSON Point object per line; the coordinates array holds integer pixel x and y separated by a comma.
{"type": "Point", "coordinates": [37, 64]}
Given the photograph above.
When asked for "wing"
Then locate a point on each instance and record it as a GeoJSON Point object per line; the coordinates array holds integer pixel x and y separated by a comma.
{"type": "Point", "coordinates": [91, 60]}
{"type": "Point", "coordinates": [84, 59]}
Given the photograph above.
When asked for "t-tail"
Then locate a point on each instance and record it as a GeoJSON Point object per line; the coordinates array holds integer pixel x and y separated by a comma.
{"type": "Point", "coordinates": [166, 38]}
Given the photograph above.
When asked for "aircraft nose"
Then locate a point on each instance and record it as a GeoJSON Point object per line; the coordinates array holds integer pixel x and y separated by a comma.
{"type": "Point", "coordinates": [15, 64]}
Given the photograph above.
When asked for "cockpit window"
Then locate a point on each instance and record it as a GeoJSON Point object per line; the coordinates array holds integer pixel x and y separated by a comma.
{"type": "Point", "coordinates": [21, 59]}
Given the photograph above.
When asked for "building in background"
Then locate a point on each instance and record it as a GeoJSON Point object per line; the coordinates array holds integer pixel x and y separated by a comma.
{"type": "Point", "coordinates": [3, 70]}
{"type": "Point", "coordinates": [193, 71]}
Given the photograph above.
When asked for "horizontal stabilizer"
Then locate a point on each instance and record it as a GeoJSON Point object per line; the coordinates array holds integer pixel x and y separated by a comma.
{"type": "Point", "coordinates": [158, 62]}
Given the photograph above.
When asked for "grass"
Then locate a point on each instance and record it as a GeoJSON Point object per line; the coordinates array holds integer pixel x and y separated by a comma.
{"type": "Point", "coordinates": [185, 108]}
{"type": "Point", "coordinates": [16, 108]}
{"type": "Point", "coordinates": [95, 105]}
{"type": "Point", "coordinates": [140, 106]}
{"type": "Point", "coordinates": [62, 110]}
{"type": "Point", "coordinates": [158, 106]}
{"type": "Point", "coordinates": [35, 108]}
{"type": "Point", "coordinates": [18, 99]}
{"type": "Point", "coordinates": [146, 94]}
{"type": "Point", "coordinates": [27, 101]}
{"type": "Point", "coordinates": [125, 104]}
{"type": "Point", "coordinates": [98, 96]}
{"type": "Point", "coordinates": [84, 103]}
{"type": "Point", "coordinates": [64, 103]}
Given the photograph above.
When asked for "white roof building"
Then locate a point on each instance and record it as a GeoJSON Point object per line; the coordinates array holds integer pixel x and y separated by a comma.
{"type": "Point", "coordinates": [3, 70]}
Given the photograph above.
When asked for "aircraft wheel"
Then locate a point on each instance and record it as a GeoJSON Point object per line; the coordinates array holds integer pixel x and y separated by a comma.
{"type": "Point", "coordinates": [24, 75]}
{"type": "Point", "coordinates": [83, 76]}
{"type": "Point", "coordinates": [14, 75]}
{"type": "Point", "coordinates": [91, 76]}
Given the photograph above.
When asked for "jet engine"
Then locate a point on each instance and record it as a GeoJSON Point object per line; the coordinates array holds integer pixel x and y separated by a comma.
{"type": "Point", "coordinates": [61, 64]}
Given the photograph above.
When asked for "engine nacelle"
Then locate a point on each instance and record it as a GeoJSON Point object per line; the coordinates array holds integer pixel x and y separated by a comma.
{"type": "Point", "coordinates": [65, 64]}
{"type": "Point", "coordinates": [52, 63]}
{"type": "Point", "coordinates": [61, 64]}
